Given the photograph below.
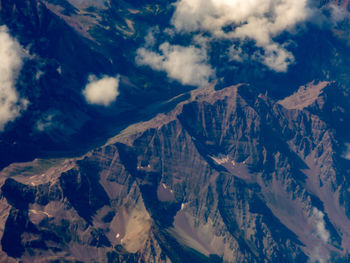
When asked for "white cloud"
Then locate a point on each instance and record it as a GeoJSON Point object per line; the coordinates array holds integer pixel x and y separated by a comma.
{"type": "Point", "coordinates": [320, 225]}
{"type": "Point", "coordinates": [102, 91]}
{"type": "Point", "coordinates": [45, 123]}
{"type": "Point", "coordinates": [150, 39]}
{"type": "Point", "coordinates": [258, 20]}
{"type": "Point", "coordinates": [188, 65]}
{"type": "Point", "coordinates": [11, 61]}
{"type": "Point", "coordinates": [319, 254]}
{"type": "Point", "coordinates": [276, 57]}
{"type": "Point", "coordinates": [236, 53]}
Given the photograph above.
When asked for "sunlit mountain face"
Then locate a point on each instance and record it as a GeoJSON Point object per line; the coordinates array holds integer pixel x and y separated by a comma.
{"type": "Point", "coordinates": [174, 131]}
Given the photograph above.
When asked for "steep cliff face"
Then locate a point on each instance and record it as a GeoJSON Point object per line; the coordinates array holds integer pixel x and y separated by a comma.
{"type": "Point", "coordinates": [226, 176]}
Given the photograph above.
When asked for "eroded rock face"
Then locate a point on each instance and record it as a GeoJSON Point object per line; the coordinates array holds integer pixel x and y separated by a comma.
{"type": "Point", "coordinates": [226, 176]}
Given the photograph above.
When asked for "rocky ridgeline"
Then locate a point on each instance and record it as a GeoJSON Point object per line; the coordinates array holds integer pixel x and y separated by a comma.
{"type": "Point", "coordinates": [226, 176]}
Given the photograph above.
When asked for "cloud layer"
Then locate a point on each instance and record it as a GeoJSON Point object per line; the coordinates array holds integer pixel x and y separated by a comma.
{"type": "Point", "coordinates": [188, 65]}
{"type": "Point", "coordinates": [257, 20]}
{"type": "Point", "coordinates": [255, 29]}
{"type": "Point", "coordinates": [11, 61]}
{"type": "Point", "coordinates": [102, 91]}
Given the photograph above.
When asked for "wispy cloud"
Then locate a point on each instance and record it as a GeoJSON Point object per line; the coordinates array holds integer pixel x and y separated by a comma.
{"type": "Point", "coordinates": [318, 255]}
{"type": "Point", "coordinates": [11, 62]}
{"type": "Point", "coordinates": [320, 225]}
{"type": "Point", "coordinates": [188, 65]}
{"type": "Point", "coordinates": [101, 91]}
{"type": "Point", "coordinates": [46, 122]}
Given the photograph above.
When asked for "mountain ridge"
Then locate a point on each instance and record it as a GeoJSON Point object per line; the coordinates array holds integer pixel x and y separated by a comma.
{"type": "Point", "coordinates": [206, 200]}
{"type": "Point", "coordinates": [227, 172]}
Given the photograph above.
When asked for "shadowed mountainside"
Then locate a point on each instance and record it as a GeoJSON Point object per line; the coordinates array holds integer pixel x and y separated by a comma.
{"type": "Point", "coordinates": [227, 175]}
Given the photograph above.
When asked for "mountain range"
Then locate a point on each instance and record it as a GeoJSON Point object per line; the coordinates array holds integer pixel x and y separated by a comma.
{"type": "Point", "coordinates": [216, 145]}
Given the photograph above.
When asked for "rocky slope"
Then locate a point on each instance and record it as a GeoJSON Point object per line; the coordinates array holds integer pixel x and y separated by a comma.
{"type": "Point", "coordinates": [213, 175]}
{"type": "Point", "coordinates": [226, 176]}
